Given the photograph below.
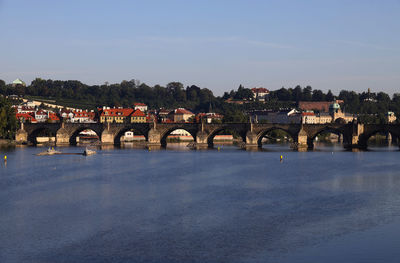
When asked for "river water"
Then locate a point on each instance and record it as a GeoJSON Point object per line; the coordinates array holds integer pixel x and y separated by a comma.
{"type": "Point", "coordinates": [179, 205]}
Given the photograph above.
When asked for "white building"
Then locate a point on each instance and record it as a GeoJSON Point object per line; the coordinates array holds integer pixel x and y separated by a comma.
{"type": "Point", "coordinates": [24, 109]}
{"type": "Point", "coordinates": [140, 106]}
{"type": "Point", "coordinates": [80, 116]}
{"type": "Point", "coordinates": [260, 94]}
{"type": "Point", "coordinates": [41, 115]}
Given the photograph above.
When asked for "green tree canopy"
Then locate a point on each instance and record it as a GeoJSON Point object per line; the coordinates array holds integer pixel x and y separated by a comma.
{"type": "Point", "coordinates": [8, 122]}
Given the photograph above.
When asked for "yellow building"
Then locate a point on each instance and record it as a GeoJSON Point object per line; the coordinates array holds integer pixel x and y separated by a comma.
{"type": "Point", "coordinates": [115, 115]}
{"type": "Point", "coordinates": [138, 116]}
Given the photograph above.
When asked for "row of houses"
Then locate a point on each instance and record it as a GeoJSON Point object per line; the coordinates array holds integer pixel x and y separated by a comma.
{"type": "Point", "coordinates": [35, 115]}
{"type": "Point", "coordinates": [31, 112]}
{"type": "Point", "coordinates": [127, 115]}
{"type": "Point", "coordinates": [322, 113]}
{"type": "Point", "coordinates": [27, 112]}
{"type": "Point", "coordinates": [310, 113]}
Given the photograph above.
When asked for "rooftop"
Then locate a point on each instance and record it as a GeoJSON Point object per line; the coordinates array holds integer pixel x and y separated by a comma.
{"type": "Point", "coordinates": [116, 112]}
{"type": "Point", "coordinates": [182, 111]}
{"type": "Point", "coordinates": [259, 90]}
{"type": "Point", "coordinates": [18, 81]}
{"type": "Point", "coordinates": [138, 113]}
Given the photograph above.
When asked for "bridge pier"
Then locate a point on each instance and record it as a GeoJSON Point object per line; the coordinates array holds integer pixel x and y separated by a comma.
{"type": "Point", "coordinates": [154, 138]}
{"type": "Point", "coordinates": [356, 138]}
{"type": "Point", "coordinates": [62, 136]}
{"type": "Point", "coordinates": [202, 140]}
{"type": "Point", "coordinates": [21, 137]}
{"type": "Point", "coordinates": [107, 137]}
{"type": "Point", "coordinates": [251, 140]}
{"type": "Point", "coordinates": [302, 141]}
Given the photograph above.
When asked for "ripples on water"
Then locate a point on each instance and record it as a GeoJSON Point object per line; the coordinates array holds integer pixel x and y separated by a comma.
{"type": "Point", "coordinates": [180, 205]}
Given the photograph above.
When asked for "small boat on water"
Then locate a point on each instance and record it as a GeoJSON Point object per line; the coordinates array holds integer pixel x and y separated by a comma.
{"type": "Point", "coordinates": [49, 151]}
{"type": "Point", "coordinates": [87, 152]}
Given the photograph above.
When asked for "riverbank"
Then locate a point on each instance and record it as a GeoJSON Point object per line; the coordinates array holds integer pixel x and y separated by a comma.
{"type": "Point", "coordinates": [4, 142]}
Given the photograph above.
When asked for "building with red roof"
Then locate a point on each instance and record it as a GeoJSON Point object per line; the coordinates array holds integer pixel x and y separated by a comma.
{"type": "Point", "coordinates": [115, 115]}
{"type": "Point", "coordinates": [163, 115]}
{"type": "Point", "coordinates": [25, 117]}
{"type": "Point", "coordinates": [83, 116]}
{"type": "Point", "coordinates": [66, 115]}
{"type": "Point", "coordinates": [52, 117]}
{"type": "Point", "coordinates": [41, 115]}
{"type": "Point", "coordinates": [322, 106]}
{"type": "Point", "coordinates": [140, 106]}
{"type": "Point", "coordinates": [209, 117]}
{"type": "Point", "coordinates": [138, 116]}
{"type": "Point", "coordinates": [24, 109]}
{"type": "Point", "coordinates": [180, 115]}
{"type": "Point", "coordinates": [260, 94]}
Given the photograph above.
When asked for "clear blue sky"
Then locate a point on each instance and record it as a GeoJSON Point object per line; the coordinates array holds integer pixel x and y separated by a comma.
{"type": "Point", "coordinates": [217, 44]}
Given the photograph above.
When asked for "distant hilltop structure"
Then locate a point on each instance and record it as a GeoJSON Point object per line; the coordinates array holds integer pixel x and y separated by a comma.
{"type": "Point", "coordinates": [18, 82]}
{"type": "Point", "coordinates": [260, 94]}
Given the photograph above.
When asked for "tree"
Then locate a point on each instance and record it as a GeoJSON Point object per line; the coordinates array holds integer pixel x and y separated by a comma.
{"type": "Point", "coordinates": [351, 101]}
{"type": "Point", "coordinates": [329, 96]}
{"type": "Point", "coordinates": [8, 122]}
{"type": "Point", "coordinates": [297, 94]}
{"type": "Point", "coordinates": [234, 116]}
{"type": "Point", "coordinates": [307, 91]}
{"type": "Point", "coordinates": [283, 94]}
{"type": "Point", "coordinates": [383, 97]}
{"type": "Point", "coordinates": [225, 96]}
{"type": "Point", "coordinates": [3, 87]}
{"type": "Point", "coordinates": [176, 89]}
{"type": "Point", "coordinates": [243, 93]}
{"type": "Point", "coordinates": [318, 95]}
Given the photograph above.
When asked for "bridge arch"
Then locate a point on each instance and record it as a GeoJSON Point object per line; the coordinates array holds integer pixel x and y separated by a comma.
{"type": "Point", "coordinates": [75, 133]}
{"type": "Point", "coordinates": [264, 132]}
{"type": "Point", "coordinates": [166, 133]}
{"type": "Point", "coordinates": [135, 129]}
{"type": "Point", "coordinates": [41, 131]}
{"type": "Point", "coordinates": [364, 137]}
{"type": "Point", "coordinates": [226, 129]}
{"type": "Point", "coordinates": [328, 129]}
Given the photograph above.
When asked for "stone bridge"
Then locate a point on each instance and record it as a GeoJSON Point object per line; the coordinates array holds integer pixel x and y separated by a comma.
{"type": "Point", "coordinates": [354, 135]}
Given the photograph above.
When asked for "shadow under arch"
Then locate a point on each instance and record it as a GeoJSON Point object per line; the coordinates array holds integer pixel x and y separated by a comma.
{"type": "Point", "coordinates": [224, 130]}
{"type": "Point", "coordinates": [120, 133]}
{"type": "Point", "coordinates": [341, 134]}
{"type": "Point", "coordinates": [75, 134]}
{"type": "Point", "coordinates": [40, 132]}
{"type": "Point", "coordinates": [364, 137]}
{"type": "Point", "coordinates": [263, 133]}
{"type": "Point", "coordinates": [165, 135]}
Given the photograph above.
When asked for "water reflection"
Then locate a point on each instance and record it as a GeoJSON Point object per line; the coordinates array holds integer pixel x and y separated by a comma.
{"type": "Point", "coordinates": [181, 205]}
